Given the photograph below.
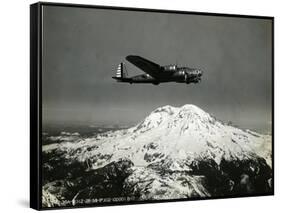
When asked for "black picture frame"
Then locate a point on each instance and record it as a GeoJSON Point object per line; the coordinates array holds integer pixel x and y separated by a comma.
{"type": "Point", "coordinates": [36, 99]}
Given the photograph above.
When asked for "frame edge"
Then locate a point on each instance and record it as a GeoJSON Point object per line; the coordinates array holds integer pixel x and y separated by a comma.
{"type": "Point", "coordinates": [35, 94]}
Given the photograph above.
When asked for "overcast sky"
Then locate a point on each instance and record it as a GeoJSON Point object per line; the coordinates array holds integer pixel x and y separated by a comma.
{"type": "Point", "coordinates": [82, 48]}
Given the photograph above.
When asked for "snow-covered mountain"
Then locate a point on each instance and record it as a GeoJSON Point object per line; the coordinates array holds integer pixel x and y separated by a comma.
{"type": "Point", "coordinates": [173, 153]}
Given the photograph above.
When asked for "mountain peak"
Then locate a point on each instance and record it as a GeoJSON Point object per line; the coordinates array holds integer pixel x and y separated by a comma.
{"type": "Point", "coordinates": [172, 117]}
{"type": "Point", "coordinates": [192, 111]}
{"type": "Point", "coordinates": [190, 107]}
{"type": "Point", "coordinates": [187, 111]}
{"type": "Point", "coordinates": [186, 107]}
{"type": "Point", "coordinates": [168, 108]}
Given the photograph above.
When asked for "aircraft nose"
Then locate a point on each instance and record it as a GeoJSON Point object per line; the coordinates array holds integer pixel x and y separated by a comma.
{"type": "Point", "coordinates": [200, 72]}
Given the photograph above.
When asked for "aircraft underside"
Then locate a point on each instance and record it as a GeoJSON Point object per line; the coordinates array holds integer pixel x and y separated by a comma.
{"type": "Point", "coordinates": [154, 81]}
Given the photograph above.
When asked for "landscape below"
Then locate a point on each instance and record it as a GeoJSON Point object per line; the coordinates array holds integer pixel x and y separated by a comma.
{"type": "Point", "coordinates": [174, 153]}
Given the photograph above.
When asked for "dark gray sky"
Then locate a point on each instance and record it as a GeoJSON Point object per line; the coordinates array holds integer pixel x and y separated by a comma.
{"type": "Point", "coordinates": [82, 48]}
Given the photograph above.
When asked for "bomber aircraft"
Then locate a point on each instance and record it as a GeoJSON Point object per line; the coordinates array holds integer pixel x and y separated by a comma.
{"type": "Point", "coordinates": [156, 74]}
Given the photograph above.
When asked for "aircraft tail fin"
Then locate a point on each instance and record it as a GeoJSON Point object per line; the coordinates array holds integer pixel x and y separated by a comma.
{"type": "Point", "coordinates": [120, 72]}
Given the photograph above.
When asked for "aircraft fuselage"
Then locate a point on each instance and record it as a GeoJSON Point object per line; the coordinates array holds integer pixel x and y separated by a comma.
{"type": "Point", "coordinates": [181, 75]}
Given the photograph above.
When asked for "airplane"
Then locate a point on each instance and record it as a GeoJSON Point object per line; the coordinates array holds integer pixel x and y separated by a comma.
{"type": "Point", "coordinates": [156, 74]}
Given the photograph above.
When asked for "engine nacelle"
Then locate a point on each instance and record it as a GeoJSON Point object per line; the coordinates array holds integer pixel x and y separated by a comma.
{"type": "Point", "coordinates": [170, 68]}
{"type": "Point", "coordinates": [180, 76]}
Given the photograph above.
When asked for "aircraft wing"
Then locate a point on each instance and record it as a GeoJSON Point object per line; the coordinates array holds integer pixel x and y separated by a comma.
{"type": "Point", "coordinates": [149, 67]}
